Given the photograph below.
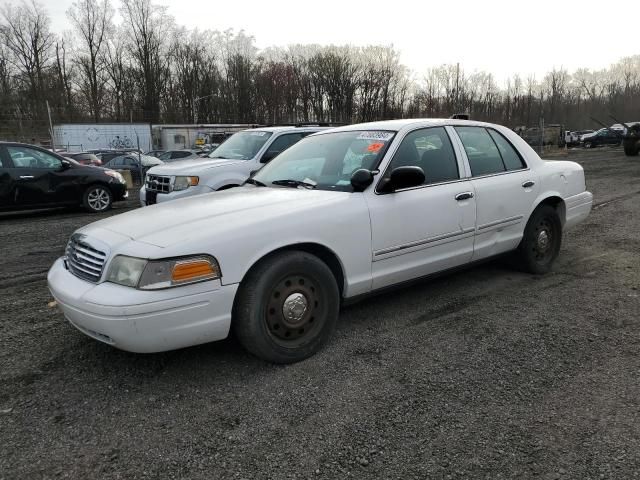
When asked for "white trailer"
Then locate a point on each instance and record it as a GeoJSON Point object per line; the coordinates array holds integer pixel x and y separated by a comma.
{"type": "Point", "coordinates": [77, 137]}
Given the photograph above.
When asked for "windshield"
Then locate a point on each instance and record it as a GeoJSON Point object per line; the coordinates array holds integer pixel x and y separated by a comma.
{"type": "Point", "coordinates": [327, 161]}
{"type": "Point", "coordinates": [242, 145]}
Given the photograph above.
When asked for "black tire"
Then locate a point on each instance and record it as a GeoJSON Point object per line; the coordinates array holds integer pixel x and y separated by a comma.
{"type": "Point", "coordinates": [309, 287]}
{"type": "Point", "coordinates": [630, 149]}
{"type": "Point", "coordinates": [541, 241]}
{"type": "Point", "coordinates": [588, 145]}
{"type": "Point", "coordinates": [97, 198]}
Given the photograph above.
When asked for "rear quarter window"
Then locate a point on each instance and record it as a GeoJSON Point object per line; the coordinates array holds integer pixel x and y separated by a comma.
{"type": "Point", "coordinates": [510, 156]}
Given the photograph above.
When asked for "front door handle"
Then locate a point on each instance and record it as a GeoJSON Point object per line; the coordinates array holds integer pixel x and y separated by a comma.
{"type": "Point", "coordinates": [464, 196]}
{"type": "Point", "coordinates": [528, 184]}
{"type": "Point", "coordinates": [26, 177]}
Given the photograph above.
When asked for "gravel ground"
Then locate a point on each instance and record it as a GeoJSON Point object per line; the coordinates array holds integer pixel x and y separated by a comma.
{"type": "Point", "coordinates": [487, 373]}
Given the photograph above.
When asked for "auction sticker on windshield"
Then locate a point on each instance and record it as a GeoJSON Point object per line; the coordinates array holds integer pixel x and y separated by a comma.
{"type": "Point", "coordinates": [384, 136]}
{"type": "Point", "coordinates": [259, 134]}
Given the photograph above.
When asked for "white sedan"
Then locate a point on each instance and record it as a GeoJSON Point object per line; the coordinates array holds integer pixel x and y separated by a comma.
{"type": "Point", "coordinates": [341, 214]}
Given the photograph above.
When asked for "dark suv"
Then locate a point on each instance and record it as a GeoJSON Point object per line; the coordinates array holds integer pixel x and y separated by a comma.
{"type": "Point", "coordinates": [32, 177]}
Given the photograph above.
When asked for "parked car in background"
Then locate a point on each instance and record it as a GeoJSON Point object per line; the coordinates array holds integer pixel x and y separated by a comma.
{"type": "Point", "coordinates": [229, 165]}
{"type": "Point", "coordinates": [173, 155]}
{"type": "Point", "coordinates": [341, 214]}
{"type": "Point", "coordinates": [84, 158]}
{"type": "Point", "coordinates": [105, 155]}
{"type": "Point", "coordinates": [155, 153]}
{"type": "Point", "coordinates": [572, 138]}
{"type": "Point", "coordinates": [604, 136]}
{"type": "Point", "coordinates": [32, 177]}
{"type": "Point", "coordinates": [136, 164]}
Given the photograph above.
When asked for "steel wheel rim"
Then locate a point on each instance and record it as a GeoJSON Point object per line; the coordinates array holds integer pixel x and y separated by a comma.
{"type": "Point", "coordinates": [98, 199]}
{"type": "Point", "coordinates": [293, 310]}
{"type": "Point", "coordinates": [544, 240]}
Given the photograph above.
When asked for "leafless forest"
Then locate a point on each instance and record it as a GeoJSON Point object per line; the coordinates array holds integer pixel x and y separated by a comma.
{"type": "Point", "coordinates": [148, 68]}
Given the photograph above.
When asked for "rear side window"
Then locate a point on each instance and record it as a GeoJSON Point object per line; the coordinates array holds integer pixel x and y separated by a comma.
{"type": "Point", "coordinates": [511, 158]}
{"type": "Point", "coordinates": [482, 152]}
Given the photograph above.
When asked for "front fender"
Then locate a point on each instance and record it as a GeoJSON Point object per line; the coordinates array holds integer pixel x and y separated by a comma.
{"type": "Point", "coordinates": [228, 179]}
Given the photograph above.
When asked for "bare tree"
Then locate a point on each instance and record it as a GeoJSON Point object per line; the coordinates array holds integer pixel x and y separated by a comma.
{"type": "Point", "coordinates": [93, 20]}
{"type": "Point", "coordinates": [149, 27]}
{"type": "Point", "coordinates": [28, 40]}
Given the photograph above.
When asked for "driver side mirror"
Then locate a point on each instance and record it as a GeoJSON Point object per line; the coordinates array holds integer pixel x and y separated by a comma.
{"type": "Point", "coordinates": [403, 177]}
{"type": "Point", "coordinates": [65, 165]}
{"type": "Point", "coordinates": [269, 155]}
{"type": "Point", "coordinates": [361, 179]}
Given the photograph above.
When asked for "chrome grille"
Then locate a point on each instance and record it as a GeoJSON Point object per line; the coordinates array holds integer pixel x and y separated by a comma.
{"type": "Point", "coordinates": [158, 183]}
{"type": "Point", "coordinates": [83, 260]}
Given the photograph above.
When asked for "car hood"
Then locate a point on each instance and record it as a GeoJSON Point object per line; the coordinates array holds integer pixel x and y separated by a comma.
{"type": "Point", "coordinates": [236, 212]}
{"type": "Point", "coordinates": [191, 164]}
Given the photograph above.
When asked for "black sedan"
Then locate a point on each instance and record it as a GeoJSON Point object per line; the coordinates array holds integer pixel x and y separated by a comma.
{"type": "Point", "coordinates": [604, 136]}
{"type": "Point", "coordinates": [32, 177]}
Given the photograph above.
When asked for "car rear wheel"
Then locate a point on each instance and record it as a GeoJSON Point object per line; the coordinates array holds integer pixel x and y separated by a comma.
{"type": "Point", "coordinates": [588, 145]}
{"type": "Point", "coordinates": [541, 242]}
{"type": "Point", "coordinates": [630, 149]}
{"type": "Point", "coordinates": [97, 198]}
{"type": "Point", "coordinates": [287, 307]}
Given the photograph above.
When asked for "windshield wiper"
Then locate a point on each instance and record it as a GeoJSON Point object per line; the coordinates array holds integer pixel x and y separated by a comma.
{"type": "Point", "coordinates": [255, 182]}
{"type": "Point", "coordinates": [221, 157]}
{"type": "Point", "coordinates": [293, 183]}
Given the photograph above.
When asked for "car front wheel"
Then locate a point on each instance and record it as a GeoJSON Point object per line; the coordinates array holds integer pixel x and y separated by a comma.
{"type": "Point", "coordinates": [541, 242]}
{"type": "Point", "coordinates": [97, 198]}
{"type": "Point", "coordinates": [287, 307]}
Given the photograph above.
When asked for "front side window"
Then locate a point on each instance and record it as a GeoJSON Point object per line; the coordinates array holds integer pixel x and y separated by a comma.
{"type": "Point", "coordinates": [482, 152]}
{"type": "Point", "coordinates": [280, 144]}
{"type": "Point", "coordinates": [327, 161]}
{"type": "Point", "coordinates": [431, 150]}
{"type": "Point", "coordinates": [242, 145]}
{"type": "Point", "coordinates": [23, 157]}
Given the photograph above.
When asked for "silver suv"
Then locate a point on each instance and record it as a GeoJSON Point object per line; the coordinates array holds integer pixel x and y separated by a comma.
{"type": "Point", "coordinates": [229, 165]}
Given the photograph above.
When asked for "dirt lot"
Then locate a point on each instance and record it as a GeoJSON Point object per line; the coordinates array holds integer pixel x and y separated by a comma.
{"type": "Point", "coordinates": [488, 373]}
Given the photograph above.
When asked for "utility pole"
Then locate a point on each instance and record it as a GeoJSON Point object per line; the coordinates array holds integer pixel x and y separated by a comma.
{"type": "Point", "coordinates": [53, 143]}
{"type": "Point", "coordinates": [541, 135]}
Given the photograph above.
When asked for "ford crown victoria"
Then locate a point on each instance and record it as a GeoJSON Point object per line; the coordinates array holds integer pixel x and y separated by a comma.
{"type": "Point", "coordinates": [342, 213]}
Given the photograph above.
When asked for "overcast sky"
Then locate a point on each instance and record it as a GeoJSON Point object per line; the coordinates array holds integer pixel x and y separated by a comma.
{"type": "Point", "coordinates": [502, 37]}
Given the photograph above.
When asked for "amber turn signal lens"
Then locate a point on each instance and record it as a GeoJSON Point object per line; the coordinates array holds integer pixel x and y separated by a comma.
{"type": "Point", "coordinates": [192, 270]}
{"type": "Point", "coordinates": [193, 181]}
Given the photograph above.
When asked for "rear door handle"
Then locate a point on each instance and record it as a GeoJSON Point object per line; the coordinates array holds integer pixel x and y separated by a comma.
{"type": "Point", "coordinates": [26, 177]}
{"type": "Point", "coordinates": [528, 184]}
{"type": "Point", "coordinates": [464, 196]}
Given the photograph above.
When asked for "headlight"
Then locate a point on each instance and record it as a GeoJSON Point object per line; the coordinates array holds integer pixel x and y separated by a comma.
{"type": "Point", "coordinates": [117, 175]}
{"type": "Point", "coordinates": [126, 270]}
{"type": "Point", "coordinates": [182, 183]}
{"type": "Point", "coordinates": [157, 274]}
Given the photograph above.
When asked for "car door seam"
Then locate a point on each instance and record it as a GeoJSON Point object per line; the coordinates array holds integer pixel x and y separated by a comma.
{"type": "Point", "coordinates": [424, 242]}
{"type": "Point", "coordinates": [500, 223]}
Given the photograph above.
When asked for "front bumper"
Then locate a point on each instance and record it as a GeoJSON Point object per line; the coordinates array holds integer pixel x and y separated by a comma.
{"type": "Point", "coordinates": [144, 321]}
{"type": "Point", "coordinates": [166, 197]}
{"type": "Point", "coordinates": [119, 191]}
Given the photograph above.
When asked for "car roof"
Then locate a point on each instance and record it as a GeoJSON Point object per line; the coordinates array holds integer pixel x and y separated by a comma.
{"type": "Point", "coordinates": [288, 128]}
{"type": "Point", "coordinates": [397, 125]}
